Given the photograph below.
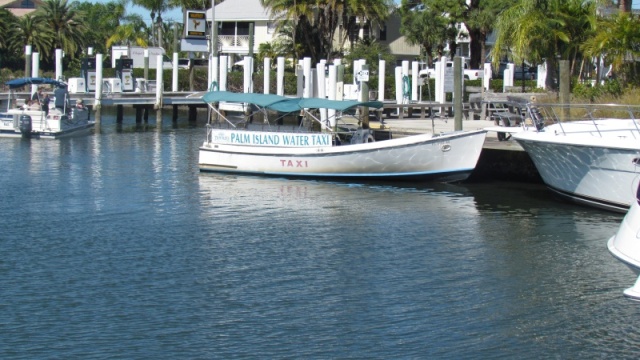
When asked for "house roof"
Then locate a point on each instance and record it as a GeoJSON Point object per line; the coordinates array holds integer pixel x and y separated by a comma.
{"type": "Point", "coordinates": [20, 12]}
{"type": "Point", "coordinates": [240, 10]}
{"type": "Point", "coordinates": [15, 7]}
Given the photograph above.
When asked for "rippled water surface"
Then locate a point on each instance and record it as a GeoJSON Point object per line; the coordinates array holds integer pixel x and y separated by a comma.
{"type": "Point", "coordinates": [114, 246]}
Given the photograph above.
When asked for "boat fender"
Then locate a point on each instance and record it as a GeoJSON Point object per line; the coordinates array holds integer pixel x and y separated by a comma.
{"type": "Point", "coordinates": [25, 125]}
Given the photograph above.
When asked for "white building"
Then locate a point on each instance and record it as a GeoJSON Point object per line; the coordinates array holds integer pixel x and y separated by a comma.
{"type": "Point", "coordinates": [234, 18]}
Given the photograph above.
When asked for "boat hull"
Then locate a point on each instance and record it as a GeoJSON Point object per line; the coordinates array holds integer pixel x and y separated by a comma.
{"type": "Point", "coordinates": [625, 245]}
{"type": "Point", "coordinates": [54, 126]}
{"type": "Point", "coordinates": [449, 158]}
{"type": "Point", "coordinates": [594, 171]}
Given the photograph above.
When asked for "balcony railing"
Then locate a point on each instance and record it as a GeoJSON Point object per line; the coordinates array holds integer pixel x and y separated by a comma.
{"type": "Point", "coordinates": [233, 41]}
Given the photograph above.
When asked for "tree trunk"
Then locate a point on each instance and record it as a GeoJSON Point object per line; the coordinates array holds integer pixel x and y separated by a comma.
{"type": "Point", "coordinates": [476, 54]}
{"type": "Point", "coordinates": [624, 5]}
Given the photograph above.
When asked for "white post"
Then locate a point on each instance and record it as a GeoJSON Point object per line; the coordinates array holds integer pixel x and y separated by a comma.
{"type": "Point", "coordinates": [215, 64]}
{"type": "Point", "coordinates": [542, 76]}
{"type": "Point", "coordinates": [414, 80]}
{"type": "Point", "coordinates": [405, 75]}
{"type": "Point", "coordinates": [405, 68]}
{"type": "Point", "coordinates": [361, 64]}
{"type": "Point", "coordinates": [333, 77]}
{"type": "Point", "coordinates": [35, 70]}
{"type": "Point", "coordinates": [58, 64]}
{"type": "Point", "coordinates": [357, 66]}
{"type": "Point", "coordinates": [146, 63]}
{"type": "Point", "coordinates": [98, 101]}
{"type": "Point", "coordinates": [306, 71]}
{"type": "Point", "coordinates": [267, 75]}
{"type": "Point", "coordinates": [381, 73]}
{"type": "Point", "coordinates": [439, 83]}
{"type": "Point", "coordinates": [488, 73]}
{"type": "Point", "coordinates": [508, 76]}
{"type": "Point", "coordinates": [224, 68]}
{"type": "Point", "coordinates": [158, 103]}
{"type": "Point", "coordinates": [398, 73]}
{"type": "Point", "coordinates": [210, 69]}
{"type": "Point", "coordinates": [321, 89]}
{"type": "Point", "coordinates": [248, 72]}
{"type": "Point", "coordinates": [280, 77]}
{"type": "Point", "coordinates": [339, 84]}
{"type": "Point", "coordinates": [174, 82]}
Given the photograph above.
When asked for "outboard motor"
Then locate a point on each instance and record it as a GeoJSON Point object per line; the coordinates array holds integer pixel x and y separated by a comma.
{"type": "Point", "coordinates": [25, 126]}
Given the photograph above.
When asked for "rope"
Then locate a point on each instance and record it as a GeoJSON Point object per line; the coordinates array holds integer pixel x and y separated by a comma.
{"type": "Point", "coordinates": [406, 88]}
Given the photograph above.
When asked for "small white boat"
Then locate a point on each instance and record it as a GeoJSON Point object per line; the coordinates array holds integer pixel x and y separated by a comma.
{"type": "Point", "coordinates": [592, 156]}
{"type": "Point", "coordinates": [625, 244]}
{"type": "Point", "coordinates": [347, 151]}
{"type": "Point", "coordinates": [34, 122]}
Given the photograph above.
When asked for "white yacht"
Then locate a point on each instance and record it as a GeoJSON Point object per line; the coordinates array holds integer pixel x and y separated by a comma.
{"type": "Point", "coordinates": [625, 244]}
{"type": "Point", "coordinates": [589, 153]}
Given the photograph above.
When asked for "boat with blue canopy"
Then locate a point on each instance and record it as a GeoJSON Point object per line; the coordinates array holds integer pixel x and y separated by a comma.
{"type": "Point", "coordinates": [38, 116]}
{"type": "Point", "coordinates": [298, 137]}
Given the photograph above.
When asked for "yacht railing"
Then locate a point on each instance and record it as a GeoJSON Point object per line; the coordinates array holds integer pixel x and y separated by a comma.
{"type": "Point", "coordinates": [596, 118]}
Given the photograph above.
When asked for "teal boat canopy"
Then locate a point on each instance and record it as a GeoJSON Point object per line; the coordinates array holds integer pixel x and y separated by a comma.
{"type": "Point", "coordinates": [285, 104]}
{"type": "Point", "coordinates": [339, 105]}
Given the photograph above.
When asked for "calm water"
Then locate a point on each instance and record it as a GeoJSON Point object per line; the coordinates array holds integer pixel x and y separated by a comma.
{"type": "Point", "coordinates": [114, 246]}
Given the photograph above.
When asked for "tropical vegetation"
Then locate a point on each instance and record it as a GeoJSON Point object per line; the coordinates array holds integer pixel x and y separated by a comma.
{"type": "Point", "coordinates": [528, 31]}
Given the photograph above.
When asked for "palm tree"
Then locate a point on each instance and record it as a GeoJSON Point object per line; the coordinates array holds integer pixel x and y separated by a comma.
{"type": "Point", "coordinates": [284, 45]}
{"type": "Point", "coordinates": [66, 23]}
{"type": "Point", "coordinates": [7, 27]}
{"type": "Point", "coordinates": [427, 27]}
{"type": "Point", "coordinates": [289, 13]}
{"type": "Point", "coordinates": [617, 39]}
{"type": "Point", "coordinates": [104, 18]}
{"type": "Point", "coordinates": [31, 30]}
{"type": "Point", "coordinates": [359, 13]}
{"type": "Point", "coordinates": [133, 31]}
{"type": "Point", "coordinates": [156, 8]}
{"type": "Point", "coordinates": [533, 30]}
{"type": "Point", "coordinates": [316, 21]}
{"type": "Point", "coordinates": [480, 21]}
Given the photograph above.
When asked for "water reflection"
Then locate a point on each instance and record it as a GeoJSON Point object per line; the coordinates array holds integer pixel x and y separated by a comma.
{"type": "Point", "coordinates": [108, 236]}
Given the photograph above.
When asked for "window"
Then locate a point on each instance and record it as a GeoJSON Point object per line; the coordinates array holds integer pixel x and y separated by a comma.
{"type": "Point", "coordinates": [227, 28]}
{"type": "Point", "coordinates": [271, 27]}
{"type": "Point", "coordinates": [243, 28]}
{"type": "Point", "coordinates": [383, 33]}
{"type": "Point", "coordinates": [27, 4]}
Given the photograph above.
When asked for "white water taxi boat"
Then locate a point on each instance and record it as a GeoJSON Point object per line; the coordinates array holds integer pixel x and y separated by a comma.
{"type": "Point", "coordinates": [588, 153]}
{"type": "Point", "coordinates": [625, 244]}
{"type": "Point", "coordinates": [310, 147]}
{"type": "Point", "coordinates": [35, 122]}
